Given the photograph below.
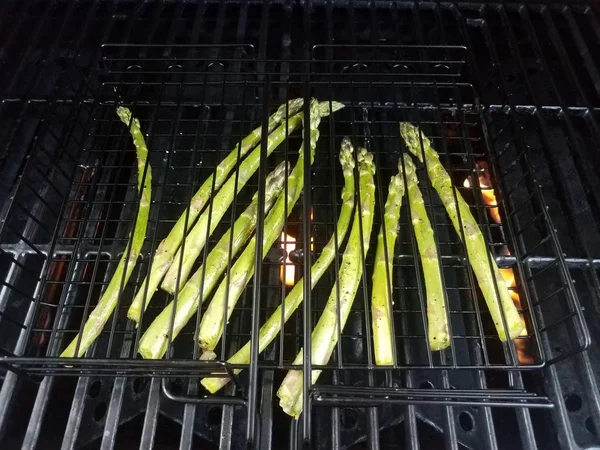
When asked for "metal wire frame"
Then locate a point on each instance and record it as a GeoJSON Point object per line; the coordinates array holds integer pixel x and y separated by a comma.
{"type": "Point", "coordinates": [572, 113]}
{"type": "Point", "coordinates": [365, 119]}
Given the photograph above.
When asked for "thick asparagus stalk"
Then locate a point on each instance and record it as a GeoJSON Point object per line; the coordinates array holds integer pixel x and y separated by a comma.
{"type": "Point", "coordinates": [107, 303]}
{"type": "Point", "coordinates": [230, 289]}
{"type": "Point", "coordinates": [324, 336]}
{"type": "Point", "coordinates": [382, 273]}
{"type": "Point", "coordinates": [483, 262]}
{"type": "Point", "coordinates": [194, 242]}
{"type": "Point", "coordinates": [154, 341]}
{"type": "Point", "coordinates": [272, 326]}
{"type": "Point", "coordinates": [437, 322]}
{"type": "Point", "coordinates": [163, 256]}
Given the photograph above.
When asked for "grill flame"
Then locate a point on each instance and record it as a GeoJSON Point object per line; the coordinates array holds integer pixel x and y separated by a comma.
{"type": "Point", "coordinates": [287, 271]}
{"type": "Point", "coordinates": [489, 199]}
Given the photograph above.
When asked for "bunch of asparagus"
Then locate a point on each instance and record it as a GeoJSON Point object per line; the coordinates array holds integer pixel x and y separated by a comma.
{"type": "Point", "coordinates": [176, 262]}
{"type": "Point", "coordinates": [325, 334]}
{"type": "Point", "coordinates": [272, 326]}
{"type": "Point", "coordinates": [491, 283]}
{"type": "Point", "coordinates": [164, 258]}
{"type": "Point", "coordinates": [153, 343]}
{"type": "Point", "coordinates": [230, 289]}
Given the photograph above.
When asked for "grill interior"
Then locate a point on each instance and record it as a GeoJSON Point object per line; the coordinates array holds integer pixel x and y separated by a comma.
{"type": "Point", "coordinates": [507, 94]}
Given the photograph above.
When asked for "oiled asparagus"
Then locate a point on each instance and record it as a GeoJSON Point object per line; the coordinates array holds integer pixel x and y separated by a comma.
{"type": "Point", "coordinates": [107, 303]}
{"type": "Point", "coordinates": [325, 334]}
{"type": "Point", "coordinates": [381, 313]}
{"type": "Point", "coordinates": [483, 262]}
{"type": "Point", "coordinates": [154, 341]}
{"type": "Point", "coordinates": [272, 326]}
{"type": "Point", "coordinates": [163, 256]}
{"type": "Point", "coordinates": [194, 242]}
{"type": "Point", "coordinates": [437, 322]}
{"type": "Point", "coordinates": [231, 287]}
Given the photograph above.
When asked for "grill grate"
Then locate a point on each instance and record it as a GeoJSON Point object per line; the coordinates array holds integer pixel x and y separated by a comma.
{"type": "Point", "coordinates": [515, 120]}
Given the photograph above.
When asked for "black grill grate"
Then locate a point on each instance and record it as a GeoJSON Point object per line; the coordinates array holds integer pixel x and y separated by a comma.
{"type": "Point", "coordinates": [514, 88]}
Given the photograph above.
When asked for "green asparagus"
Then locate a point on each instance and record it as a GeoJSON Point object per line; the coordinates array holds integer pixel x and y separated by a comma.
{"type": "Point", "coordinates": [437, 322]}
{"type": "Point", "coordinates": [381, 304]}
{"type": "Point", "coordinates": [272, 326]}
{"type": "Point", "coordinates": [109, 299]}
{"type": "Point", "coordinates": [196, 238]}
{"type": "Point", "coordinates": [230, 289]}
{"type": "Point", "coordinates": [483, 262]}
{"type": "Point", "coordinates": [324, 336]}
{"type": "Point", "coordinates": [163, 256]}
{"type": "Point", "coordinates": [154, 341]}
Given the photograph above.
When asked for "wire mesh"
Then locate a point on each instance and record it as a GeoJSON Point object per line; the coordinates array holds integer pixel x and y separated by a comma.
{"type": "Point", "coordinates": [194, 103]}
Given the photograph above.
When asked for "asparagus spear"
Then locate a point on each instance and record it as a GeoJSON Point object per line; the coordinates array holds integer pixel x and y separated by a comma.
{"type": "Point", "coordinates": [382, 273]}
{"type": "Point", "coordinates": [437, 322]}
{"type": "Point", "coordinates": [230, 289]}
{"type": "Point", "coordinates": [167, 248]}
{"type": "Point", "coordinates": [153, 343]}
{"type": "Point", "coordinates": [272, 326]}
{"type": "Point", "coordinates": [107, 303]}
{"type": "Point", "coordinates": [487, 272]}
{"type": "Point", "coordinates": [196, 238]}
{"type": "Point", "coordinates": [324, 336]}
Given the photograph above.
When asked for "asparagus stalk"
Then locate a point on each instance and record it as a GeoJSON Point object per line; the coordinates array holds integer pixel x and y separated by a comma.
{"type": "Point", "coordinates": [194, 242]}
{"type": "Point", "coordinates": [230, 289]}
{"type": "Point", "coordinates": [437, 322]}
{"type": "Point", "coordinates": [153, 344]}
{"type": "Point", "coordinates": [107, 303]}
{"type": "Point", "coordinates": [164, 253]}
{"type": "Point", "coordinates": [272, 326]}
{"type": "Point", "coordinates": [483, 262]}
{"type": "Point", "coordinates": [382, 273]}
{"type": "Point", "coordinates": [324, 336]}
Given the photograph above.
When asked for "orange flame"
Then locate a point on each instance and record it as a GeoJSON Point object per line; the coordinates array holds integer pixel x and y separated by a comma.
{"type": "Point", "coordinates": [489, 199]}
{"type": "Point", "coordinates": [287, 271]}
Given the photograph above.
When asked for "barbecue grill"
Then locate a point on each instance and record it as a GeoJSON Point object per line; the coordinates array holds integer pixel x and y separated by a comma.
{"type": "Point", "coordinates": [507, 93]}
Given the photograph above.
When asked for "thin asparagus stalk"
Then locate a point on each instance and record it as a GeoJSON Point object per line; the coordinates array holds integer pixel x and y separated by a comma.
{"type": "Point", "coordinates": [486, 272]}
{"type": "Point", "coordinates": [382, 273]}
{"type": "Point", "coordinates": [167, 248]}
{"type": "Point", "coordinates": [325, 334]}
{"type": "Point", "coordinates": [153, 344]}
{"type": "Point", "coordinates": [230, 289]}
{"type": "Point", "coordinates": [107, 303]}
{"type": "Point", "coordinates": [437, 322]}
{"type": "Point", "coordinates": [272, 326]}
{"type": "Point", "coordinates": [194, 242]}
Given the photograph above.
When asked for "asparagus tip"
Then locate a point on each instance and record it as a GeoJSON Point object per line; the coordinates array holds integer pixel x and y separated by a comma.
{"type": "Point", "coordinates": [410, 134]}
{"type": "Point", "coordinates": [366, 158]}
{"type": "Point", "coordinates": [409, 166]}
{"type": "Point", "coordinates": [208, 355]}
{"type": "Point", "coordinates": [293, 105]}
{"type": "Point", "coordinates": [326, 108]}
{"type": "Point", "coordinates": [346, 154]}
